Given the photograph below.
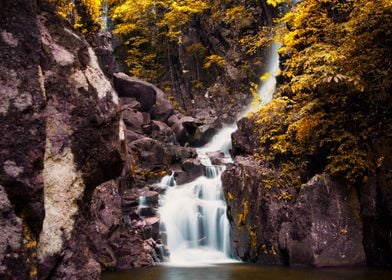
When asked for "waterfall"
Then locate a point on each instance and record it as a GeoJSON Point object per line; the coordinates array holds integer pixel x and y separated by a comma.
{"type": "Point", "coordinates": [194, 214]}
{"type": "Point", "coordinates": [104, 17]}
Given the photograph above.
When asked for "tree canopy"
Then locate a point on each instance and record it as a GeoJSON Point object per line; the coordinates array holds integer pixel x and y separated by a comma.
{"type": "Point", "coordinates": [334, 104]}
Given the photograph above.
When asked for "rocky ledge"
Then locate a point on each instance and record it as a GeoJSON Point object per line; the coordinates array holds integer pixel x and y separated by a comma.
{"type": "Point", "coordinates": [323, 223]}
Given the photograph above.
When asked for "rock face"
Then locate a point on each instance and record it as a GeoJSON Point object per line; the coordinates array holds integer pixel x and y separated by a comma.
{"type": "Point", "coordinates": [376, 212]}
{"type": "Point", "coordinates": [322, 223]}
{"type": "Point", "coordinates": [75, 157]}
{"type": "Point", "coordinates": [12, 258]}
{"type": "Point", "coordinates": [318, 225]}
{"type": "Point", "coordinates": [60, 117]}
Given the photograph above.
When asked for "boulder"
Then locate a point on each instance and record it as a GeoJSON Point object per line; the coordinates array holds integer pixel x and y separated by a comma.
{"type": "Point", "coordinates": [217, 158]}
{"type": "Point", "coordinates": [185, 129]}
{"type": "Point", "coordinates": [132, 136]}
{"type": "Point", "coordinates": [191, 169]}
{"type": "Point", "coordinates": [145, 93]}
{"type": "Point", "coordinates": [133, 120]}
{"type": "Point", "coordinates": [175, 118]}
{"type": "Point", "coordinates": [163, 108]}
{"type": "Point", "coordinates": [149, 153]}
{"type": "Point", "coordinates": [162, 132]}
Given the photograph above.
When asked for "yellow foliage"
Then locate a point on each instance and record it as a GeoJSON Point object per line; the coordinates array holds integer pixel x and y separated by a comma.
{"type": "Point", "coordinates": [275, 3]}
{"type": "Point", "coordinates": [84, 14]}
{"type": "Point", "coordinates": [335, 100]}
{"type": "Point", "coordinates": [214, 60]}
{"type": "Point", "coordinates": [244, 215]}
{"type": "Point", "coordinates": [253, 238]}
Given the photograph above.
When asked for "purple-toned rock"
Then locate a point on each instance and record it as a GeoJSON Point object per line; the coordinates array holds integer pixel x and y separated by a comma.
{"type": "Point", "coordinates": [130, 103]}
{"type": "Point", "coordinates": [12, 253]}
{"type": "Point", "coordinates": [326, 229]}
{"type": "Point", "coordinates": [144, 92]}
{"type": "Point", "coordinates": [149, 152]}
{"type": "Point", "coordinates": [191, 169]}
{"type": "Point", "coordinates": [133, 120]}
{"type": "Point", "coordinates": [217, 158]}
{"type": "Point", "coordinates": [151, 197]}
{"type": "Point", "coordinates": [163, 108]}
{"type": "Point", "coordinates": [104, 50]}
{"type": "Point", "coordinates": [319, 226]}
{"type": "Point", "coordinates": [185, 128]}
{"type": "Point", "coordinates": [151, 230]}
{"type": "Point", "coordinates": [162, 132]}
{"type": "Point", "coordinates": [133, 136]}
{"type": "Point", "coordinates": [243, 139]}
{"type": "Point", "coordinates": [175, 118]}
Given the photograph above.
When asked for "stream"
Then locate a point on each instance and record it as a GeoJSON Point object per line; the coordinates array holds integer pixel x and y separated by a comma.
{"type": "Point", "coordinates": [241, 271]}
{"type": "Point", "coordinates": [193, 219]}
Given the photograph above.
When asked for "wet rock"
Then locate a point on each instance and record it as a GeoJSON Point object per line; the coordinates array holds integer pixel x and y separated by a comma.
{"type": "Point", "coordinates": [151, 197]}
{"type": "Point", "coordinates": [191, 169]}
{"type": "Point", "coordinates": [217, 158]}
{"type": "Point", "coordinates": [203, 135]}
{"type": "Point", "coordinates": [147, 211]}
{"type": "Point", "coordinates": [151, 229]}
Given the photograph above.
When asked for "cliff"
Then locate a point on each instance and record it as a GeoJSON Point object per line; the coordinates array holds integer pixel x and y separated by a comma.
{"type": "Point", "coordinates": [311, 181]}
{"type": "Point", "coordinates": [76, 155]}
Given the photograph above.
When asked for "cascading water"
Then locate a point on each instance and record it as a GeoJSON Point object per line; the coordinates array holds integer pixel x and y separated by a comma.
{"type": "Point", "coordinates": [194, 214]}
{"type": "Point", "coordinates": [194, 217]}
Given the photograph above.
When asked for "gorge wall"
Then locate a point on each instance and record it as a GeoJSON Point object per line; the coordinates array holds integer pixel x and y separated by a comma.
{"type": "Point", "coordinates": [324, 222]}
{"type": "Point", "coordinates": [311, 181]}
{"type": "Point", "coordinates": [76, 155]}
{"type": "Point", "coordinates": [81, 145]}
